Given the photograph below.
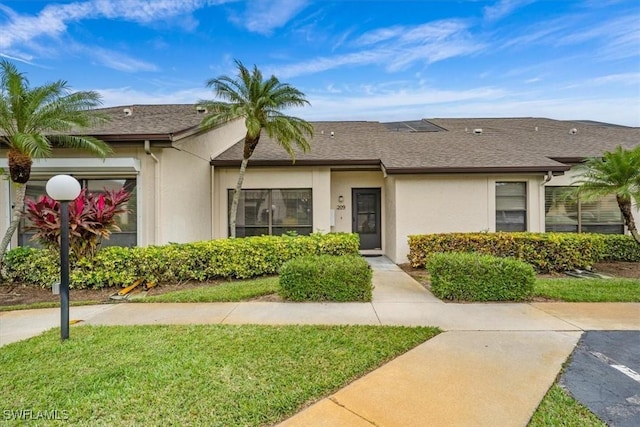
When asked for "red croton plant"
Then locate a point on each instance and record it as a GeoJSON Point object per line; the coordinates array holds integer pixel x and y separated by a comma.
{"type": "Point", "coordinates": [92, 217]}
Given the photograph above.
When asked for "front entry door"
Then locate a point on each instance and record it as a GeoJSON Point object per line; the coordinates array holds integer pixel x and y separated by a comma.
{"type": "Point", "coordinates": [366, 217]}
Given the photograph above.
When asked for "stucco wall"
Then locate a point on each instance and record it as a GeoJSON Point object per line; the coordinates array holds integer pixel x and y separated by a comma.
{"type": "Point", "coordinates": [185, 184]}
{"type": "Point", "coordinates": [390, 218]}
{"type": "Point", "coordinates": [441, 204]}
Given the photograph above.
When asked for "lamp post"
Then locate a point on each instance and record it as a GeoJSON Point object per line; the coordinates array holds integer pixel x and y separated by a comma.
{"type": "Point", "coordinates": [64, 188]}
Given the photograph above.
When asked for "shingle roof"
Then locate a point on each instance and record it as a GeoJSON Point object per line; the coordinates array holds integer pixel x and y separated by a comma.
{"type": "Point", "coordinates": [142, 121]}
{"type": "Point", "coordinates": [531, 144]}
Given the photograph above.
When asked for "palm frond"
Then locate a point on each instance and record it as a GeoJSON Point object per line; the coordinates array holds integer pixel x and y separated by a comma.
{"type": "Point", "coordinates": [260, 102]}
{"type": "Point", "coordinates": [86, 143]}
{"type": "Point", "coordinates": [616, 172]}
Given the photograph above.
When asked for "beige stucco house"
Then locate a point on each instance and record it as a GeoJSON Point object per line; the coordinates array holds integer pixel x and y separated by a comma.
{"type": "Point", "coordinates": [383, 180]}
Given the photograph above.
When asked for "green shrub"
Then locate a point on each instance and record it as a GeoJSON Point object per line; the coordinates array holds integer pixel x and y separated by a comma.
{"type": "Point", "coordinates": [618, 247]}
{"type": "Point", "coordinates": [326, 278]}
{"type": "Point", "coordinates": [544, 251]}
{"type": "Point", "coordinates": [199, 261]}
{"type": "Point", "coordinates": [475, 277]}
{"type": "Point", "coordinates": [40, 267]}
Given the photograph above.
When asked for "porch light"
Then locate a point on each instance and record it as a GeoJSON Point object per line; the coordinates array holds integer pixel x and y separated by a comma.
{"type": "Point", "coordinates": [64, 188]}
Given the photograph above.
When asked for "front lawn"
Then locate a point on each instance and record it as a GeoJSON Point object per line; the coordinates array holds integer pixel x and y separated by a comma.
{"type": "Point", "coordinates": [215, 375]}
{"type": "Point", "coordinates": [588, 290]}
{"type": "Point", "coordinates": [224, 292]}
{"type": "Point", "coordinates": [559, 409]}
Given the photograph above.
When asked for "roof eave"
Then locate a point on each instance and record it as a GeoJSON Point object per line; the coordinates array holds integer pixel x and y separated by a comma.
{"type": "Point", "coordinates": [474, 170]}
{"type": "Point", "coordinates": [299, 162]}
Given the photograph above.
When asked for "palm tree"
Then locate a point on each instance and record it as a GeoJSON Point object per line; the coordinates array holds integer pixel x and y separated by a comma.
{"type": "Point", "coordinates": [35, 120]}
{"type": "Point", "coordinates": [259, 102]}
{"type": "Point", "coordinates": [617, 172]}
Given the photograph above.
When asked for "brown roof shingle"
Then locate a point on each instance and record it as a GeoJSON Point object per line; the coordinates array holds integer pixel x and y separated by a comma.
{"type": "Point", "coordinates": [522, 144]}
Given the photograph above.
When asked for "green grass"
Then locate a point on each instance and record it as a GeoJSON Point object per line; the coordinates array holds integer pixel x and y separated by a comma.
{"type": "Point", "coordinates": [559, 409]}
{"type": "Point", "coordinates": [588, 290]}
{"type": "Point", "coordinates": [225, 292]}
{"type": "Point", "coordinates": [214, 375]}
{"type": "Point", "coordinates": [51, 304]}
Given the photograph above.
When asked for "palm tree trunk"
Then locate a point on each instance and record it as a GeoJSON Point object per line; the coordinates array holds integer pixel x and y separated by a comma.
{"type": "Point", "coordinates": [625, 207]}
{"type": "Point", "coordinates": [236, 198]}
{"type": "Point", "coordinates": [18, 208]}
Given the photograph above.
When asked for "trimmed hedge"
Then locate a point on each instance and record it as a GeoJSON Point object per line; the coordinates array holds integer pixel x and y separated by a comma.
{"type": "Point", "coordinates": [326, 278]}
{"type": "Point", "coordinates": [200, 261]}
{"type": "Point", "coordinates": [475, 277]}
{"type": "Point", "coordinates": [544, 251]}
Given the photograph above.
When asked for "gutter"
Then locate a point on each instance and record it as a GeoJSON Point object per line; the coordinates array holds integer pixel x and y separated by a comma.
{"type": "Point", "coordinates": [147, 149]}
{"type": "Point", "coordinates": [484, 170]}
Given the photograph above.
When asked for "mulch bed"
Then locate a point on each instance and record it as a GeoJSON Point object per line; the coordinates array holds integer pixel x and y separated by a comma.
{"type": "Point", "coordinates": [11, 294]}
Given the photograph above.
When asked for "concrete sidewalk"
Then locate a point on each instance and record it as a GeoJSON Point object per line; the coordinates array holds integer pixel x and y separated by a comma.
{"type": "Point", "coordinates": [491, 367]}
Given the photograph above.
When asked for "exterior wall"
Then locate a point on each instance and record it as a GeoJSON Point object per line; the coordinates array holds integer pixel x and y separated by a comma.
{"type": "Point", "coordinates": [316, 178]}
{"type": "Point", "coordinates": [441, 204]}
{"type": "Point", "coordinates": [184, 181]}
{"type": "Point", "coordinates": [390, 220]}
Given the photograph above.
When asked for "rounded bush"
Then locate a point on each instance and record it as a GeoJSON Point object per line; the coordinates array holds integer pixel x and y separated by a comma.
{"type": "Point", "coordinates": [475, 277]}
{"type": "Point", "coordinates": [326, 278]}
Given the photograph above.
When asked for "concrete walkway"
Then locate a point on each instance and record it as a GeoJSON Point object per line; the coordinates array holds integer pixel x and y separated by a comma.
{"type": "Point", "coordinates": [491, 367]}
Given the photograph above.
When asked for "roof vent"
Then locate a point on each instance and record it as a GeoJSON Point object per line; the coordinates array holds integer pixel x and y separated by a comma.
{"type": "Point", "coordinates": [127, 112]}
{"type": "Point", "coordinates": [201, 110]}
{"type": "Point", "coordinates": [333, 134]}
{"type": "Point", "coordinates": [573, 131]}
{"type": "Point", "coordinates": [477, 131]}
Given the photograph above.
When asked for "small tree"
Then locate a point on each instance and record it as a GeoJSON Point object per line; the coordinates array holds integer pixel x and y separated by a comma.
{"type": "Point", "coordinates": [259, 102]}
{"type": "Point", "coordinates": [34, 121]}
{"type": "Point", "coordinates": [616, 172]}
{"type": "Point", "coordinates": [92, 217]}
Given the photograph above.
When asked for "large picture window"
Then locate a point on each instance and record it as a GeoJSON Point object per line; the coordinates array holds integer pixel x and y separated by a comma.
{"type": "Point", "coordinates": [128, 234]}
{"type": "Point", "coordinates": [273, 211]}
{"type": "Point", "coordinates": [565, 212]}
{"type": "Point", "coordinates": [511, 206]}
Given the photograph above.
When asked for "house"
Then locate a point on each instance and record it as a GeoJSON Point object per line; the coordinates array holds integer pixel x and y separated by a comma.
{"type": "Point", "coordinates": [160, 155]}
{"type": "Point", "coordinates": [383, 180]}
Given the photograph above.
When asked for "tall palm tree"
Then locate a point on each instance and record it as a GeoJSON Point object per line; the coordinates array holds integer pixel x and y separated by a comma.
{"type": "Point", "coordinates": [617, 172]}
{"type": "Point", "coordinates": [259, 102]}
{"type": "Point", "coordinates": [33, 121]}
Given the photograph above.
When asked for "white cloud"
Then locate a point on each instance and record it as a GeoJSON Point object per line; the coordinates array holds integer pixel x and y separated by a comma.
{"type": "Point", "coordinates": [503, 8]}
{"type": "Point", "coordinates": [127, 96]}
{"type": "Point", "coordinates": [396, 48]}
{"type": "Point", "coordinates": [264, 16]}
{"type": "Point", "coordinates": [620, 78]}
{"type": "Point", "coordinates": [379, 103]}
{"type": "Point", "coordinates": [118, 60]}
{"type": "Point", "coordinates": [52, 21]}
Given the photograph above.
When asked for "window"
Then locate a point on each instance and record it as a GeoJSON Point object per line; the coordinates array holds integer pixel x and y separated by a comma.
{"type": "Point", "coordinates": [128, 234]}
{"type": "Point", "coordinates": [511, 206]}
{"type": "Point", "coordinates": [565, 212]}
{"type": "Point", "coordinates": [273, 211]}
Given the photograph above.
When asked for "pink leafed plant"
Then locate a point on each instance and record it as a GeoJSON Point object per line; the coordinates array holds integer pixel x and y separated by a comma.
{"type": "Point", "coordinates": [92, 217]}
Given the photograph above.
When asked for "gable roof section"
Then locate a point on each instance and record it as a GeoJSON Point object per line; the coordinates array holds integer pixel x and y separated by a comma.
{"type": "Point", "coordinates": [450, 145]}
{"type": "Point", "coordinates": [157, 123]}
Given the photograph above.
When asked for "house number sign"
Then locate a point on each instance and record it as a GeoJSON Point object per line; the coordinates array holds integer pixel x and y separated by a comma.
{"type": "Point", "coordinates": [341, 207]}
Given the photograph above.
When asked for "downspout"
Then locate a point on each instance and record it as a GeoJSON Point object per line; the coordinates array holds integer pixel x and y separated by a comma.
{"type": "Point", "coordinates": [147, 149]}
{"type": "Point", "coordinates": [548, 177]}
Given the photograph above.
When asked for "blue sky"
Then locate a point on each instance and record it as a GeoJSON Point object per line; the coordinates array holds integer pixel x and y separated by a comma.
{"type": "Point", "coordinates": [355, 60]}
